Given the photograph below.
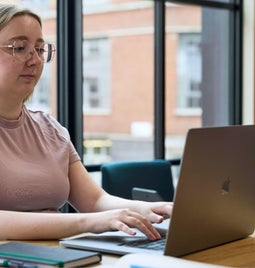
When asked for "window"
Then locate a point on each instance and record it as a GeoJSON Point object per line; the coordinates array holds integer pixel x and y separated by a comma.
{"type": "Point", "coordinates": [202, 74]}
{"type": "Point", "coordinates": [118, 81]}
{"type": "Point", "coordinates": [96, 68]}
{"type": "Point", "coordinates": [189, 71]}
{"type": "Point", "coordinates": [202, 71]}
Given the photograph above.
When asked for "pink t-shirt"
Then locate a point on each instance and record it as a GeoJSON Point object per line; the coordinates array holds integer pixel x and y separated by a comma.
{"type": "Point", "coordinates": [35, 154]}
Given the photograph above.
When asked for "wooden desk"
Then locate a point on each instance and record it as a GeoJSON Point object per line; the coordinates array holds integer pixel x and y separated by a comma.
{"type": "Point", "coordinates": [240, 253]}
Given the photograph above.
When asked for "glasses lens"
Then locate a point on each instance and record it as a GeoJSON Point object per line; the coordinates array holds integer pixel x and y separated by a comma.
{"type": "Point", "coordinates": [20, 49]}
{"type": "Point", "coordinates": [23, 51]}
{"type": "Point", "coordinates": [49, 51]}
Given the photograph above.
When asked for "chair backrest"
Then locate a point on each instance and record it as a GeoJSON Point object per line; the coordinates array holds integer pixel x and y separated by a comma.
{"type": "Point", "coordinates": [118, 178]}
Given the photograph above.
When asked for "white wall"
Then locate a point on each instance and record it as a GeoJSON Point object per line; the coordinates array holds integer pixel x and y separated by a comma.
{"type": "Point", "coordinates": [248, 62]}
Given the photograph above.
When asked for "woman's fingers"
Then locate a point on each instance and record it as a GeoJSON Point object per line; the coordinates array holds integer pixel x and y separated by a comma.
{"type": "Point", "coordinates": [129, 219]}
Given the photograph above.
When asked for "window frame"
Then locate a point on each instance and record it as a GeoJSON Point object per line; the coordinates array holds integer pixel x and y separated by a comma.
{"type": "Point", "coordinates": [69, 70]}
{"type": "Point", "coordinates": [235, 78]}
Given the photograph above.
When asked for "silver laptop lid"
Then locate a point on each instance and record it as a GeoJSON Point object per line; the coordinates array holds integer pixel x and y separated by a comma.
{"type": "Point", "coordinates": [215, 196]}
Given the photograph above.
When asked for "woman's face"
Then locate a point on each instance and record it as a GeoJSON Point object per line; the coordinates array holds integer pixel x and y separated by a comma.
{"type": "Point", "coordinates": [18, 78]}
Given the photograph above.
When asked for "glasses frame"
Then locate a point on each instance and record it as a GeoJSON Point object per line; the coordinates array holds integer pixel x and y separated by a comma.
{"type": "Point", "coordinates": [31, 53]}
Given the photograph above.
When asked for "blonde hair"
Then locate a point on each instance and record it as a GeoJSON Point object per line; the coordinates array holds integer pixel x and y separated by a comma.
{"type": "Point", "coordinates": [9, 11]}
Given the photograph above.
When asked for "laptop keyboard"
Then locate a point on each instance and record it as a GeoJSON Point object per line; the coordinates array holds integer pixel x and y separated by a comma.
{"type": "Point", "coordinates": [146, 244]}
{"type": "Point", "coordinates": [133, 241]}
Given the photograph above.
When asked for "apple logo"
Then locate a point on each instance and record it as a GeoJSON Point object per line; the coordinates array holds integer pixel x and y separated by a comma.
{"type": "Point", "coordinates": [225, 187]}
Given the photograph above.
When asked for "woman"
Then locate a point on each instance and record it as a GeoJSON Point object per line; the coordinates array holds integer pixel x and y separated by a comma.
{"type": "Point", "coordinates": [39, 167]}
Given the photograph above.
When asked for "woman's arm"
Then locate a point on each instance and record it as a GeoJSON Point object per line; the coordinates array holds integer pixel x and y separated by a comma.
{"type": "Point", "coordinates": [106, 213]}
{"type": "Point", "coordinates": [30, 225]}
{"type": "Point", "coordinates": [87, 196]}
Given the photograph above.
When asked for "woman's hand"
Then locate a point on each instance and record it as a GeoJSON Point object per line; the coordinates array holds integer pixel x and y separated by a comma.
{"type": "Point", "coordinates": [155, 212]}
{"type": "Point", "coordinates": [122, 220]}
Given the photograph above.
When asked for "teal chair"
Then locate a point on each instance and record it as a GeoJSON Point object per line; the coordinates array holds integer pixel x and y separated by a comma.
{"type": "Point", "coordinates": [119, 178]}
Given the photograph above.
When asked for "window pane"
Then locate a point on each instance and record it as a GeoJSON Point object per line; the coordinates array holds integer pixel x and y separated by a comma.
{"type": "Point", "coordinates": [183, 75]}
{"type": "Point", "coordinates": [197, 71]}
{"type": "Point", "coordinates": [96, 83]}
{"type": "Point", "coordinates": [216, 51]}
{"type": "Point", "coordinates": [118, 81]}
{"type": "Point", "coordinates": [189, 75]}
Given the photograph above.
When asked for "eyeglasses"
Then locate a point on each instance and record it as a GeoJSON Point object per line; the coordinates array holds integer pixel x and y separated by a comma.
{"type": "Point", "coordinates": [21, 50]}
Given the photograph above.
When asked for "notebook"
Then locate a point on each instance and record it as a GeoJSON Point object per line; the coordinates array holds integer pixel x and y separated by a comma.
{"type": "Point", "coordinates": [19, 254]}
{"type": "Point", "coordinates": [214, 201]}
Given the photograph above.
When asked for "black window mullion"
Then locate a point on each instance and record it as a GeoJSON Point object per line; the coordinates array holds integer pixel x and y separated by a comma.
{"type": "Point", "coordinates": [159, 80]}
{"type": "Point", "coordinates": [69, 75]}
{"type": "Point", "coordinates": [69, 72]}
{"type": "Point", "coordinates": [236, 63]}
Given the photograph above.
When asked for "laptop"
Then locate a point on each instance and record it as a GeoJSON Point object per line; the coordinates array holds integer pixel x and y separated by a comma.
{"type": "Point", "coordinates": [214, 201]}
